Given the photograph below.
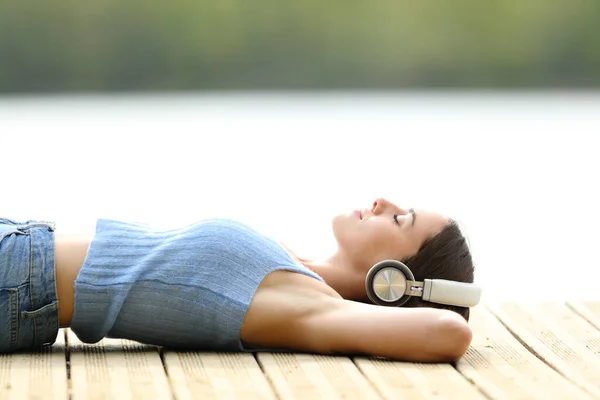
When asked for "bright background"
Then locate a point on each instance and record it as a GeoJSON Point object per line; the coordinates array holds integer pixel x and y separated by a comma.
{"type": "Point", "coordinates": [285, 114]}
{"type": "Point", "coordinates": [518, 170]}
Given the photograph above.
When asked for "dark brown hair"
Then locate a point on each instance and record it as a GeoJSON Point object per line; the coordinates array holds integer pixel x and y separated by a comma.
{"type": "Point", "coordinates": [444, 256]}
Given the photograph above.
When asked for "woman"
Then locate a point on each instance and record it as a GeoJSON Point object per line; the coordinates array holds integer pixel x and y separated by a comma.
{"type": "Point", "coordinates": [221, 285]}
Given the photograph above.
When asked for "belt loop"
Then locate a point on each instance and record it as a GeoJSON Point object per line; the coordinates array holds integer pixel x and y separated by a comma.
{"type": "Point", "coordinates": [51, 225]}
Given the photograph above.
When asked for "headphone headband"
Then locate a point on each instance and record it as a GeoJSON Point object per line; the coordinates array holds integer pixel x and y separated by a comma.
{"type": "Point", "coordinates": [451, 292]}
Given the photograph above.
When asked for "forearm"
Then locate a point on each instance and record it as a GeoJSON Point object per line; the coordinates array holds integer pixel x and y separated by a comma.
{"type": "Point", "coordinates": [414, 334]}
{"type": "Point", "coordinates": [440, 338]}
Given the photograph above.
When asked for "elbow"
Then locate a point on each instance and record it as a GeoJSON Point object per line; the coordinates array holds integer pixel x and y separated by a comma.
{"type": "Point", "coordinates": [456, 338]}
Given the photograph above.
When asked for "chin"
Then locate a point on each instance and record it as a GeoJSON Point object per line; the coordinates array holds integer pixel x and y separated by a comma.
{"type": "Point", "coordinates": [337, 225]}
{"type": "Point", "coordinates": [342, 220]}
{"type": "Point", "coordinates": [335, 222]}
{"type": "Point", "coordinates": [343, 226]}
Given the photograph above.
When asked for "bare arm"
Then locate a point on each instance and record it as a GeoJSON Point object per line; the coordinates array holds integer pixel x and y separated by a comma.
{"type": "Point", "coordinates": [411, 334]}
{"type": "Point", "coordinates": [296, 312]}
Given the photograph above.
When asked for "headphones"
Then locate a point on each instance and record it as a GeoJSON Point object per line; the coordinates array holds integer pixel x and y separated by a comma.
{"type": "Point", "coordinates": [391, 283]}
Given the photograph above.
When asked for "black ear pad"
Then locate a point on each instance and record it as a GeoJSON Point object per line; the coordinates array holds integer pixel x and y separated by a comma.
{"type": "Point", "coordinates": [386, 283]}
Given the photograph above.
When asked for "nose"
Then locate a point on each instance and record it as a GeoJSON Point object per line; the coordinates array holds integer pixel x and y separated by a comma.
{"type": "Point", "coordinates": [381, 205]}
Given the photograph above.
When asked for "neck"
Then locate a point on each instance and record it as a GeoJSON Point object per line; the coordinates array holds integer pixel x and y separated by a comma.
{"type": "Point", "coordinates": [341, 275]}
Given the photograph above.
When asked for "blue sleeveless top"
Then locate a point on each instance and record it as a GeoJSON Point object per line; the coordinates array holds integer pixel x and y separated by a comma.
{"type": "Point", "coordinates": [182, 288]}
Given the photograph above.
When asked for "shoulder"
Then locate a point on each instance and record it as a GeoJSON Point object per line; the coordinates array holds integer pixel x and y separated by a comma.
{"type": "Point", "coordinates": [280, 307]}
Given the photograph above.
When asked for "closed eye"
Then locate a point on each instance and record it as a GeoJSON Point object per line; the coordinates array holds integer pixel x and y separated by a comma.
{"type": "Point", "coordinates": [414, 216]}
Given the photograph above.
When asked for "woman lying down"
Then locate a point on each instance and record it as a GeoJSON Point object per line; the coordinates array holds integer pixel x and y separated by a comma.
{"type": "Point", "coordinates": [398, 286]}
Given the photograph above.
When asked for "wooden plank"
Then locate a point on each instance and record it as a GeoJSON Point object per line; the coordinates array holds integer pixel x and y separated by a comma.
{"type": "Point", "coordinates": [308, 376]}
{"type": "Point", "coordinates": [404, 380]}
{"type": "Point", "coordinates": [40, 374]}
{"type": "Point", "coordinates": [116, 369]}
{"type": "Point", "coordinates": [588, 310]}
{"type": "Point", "coordinates": [559, 337]}
{"type": "Point", "coordinates": [504, 369]}
{"type": "Point", "coordinates": [203, 375]}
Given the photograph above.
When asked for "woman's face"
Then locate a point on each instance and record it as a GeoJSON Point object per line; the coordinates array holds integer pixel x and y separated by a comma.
{"type": "Point", "coordinates": [384, 231]}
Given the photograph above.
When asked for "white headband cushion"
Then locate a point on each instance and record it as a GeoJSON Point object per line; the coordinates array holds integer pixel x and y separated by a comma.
{"type": "Point", "coordinates": [451, 292]}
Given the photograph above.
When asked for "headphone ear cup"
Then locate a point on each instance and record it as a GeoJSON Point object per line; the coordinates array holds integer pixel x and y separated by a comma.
{"type": "Point", "coordinates": [386, 283]}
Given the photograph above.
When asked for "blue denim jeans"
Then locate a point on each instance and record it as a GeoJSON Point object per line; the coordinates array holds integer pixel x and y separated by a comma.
{"type": "Point", "coordinates": [28, 300]}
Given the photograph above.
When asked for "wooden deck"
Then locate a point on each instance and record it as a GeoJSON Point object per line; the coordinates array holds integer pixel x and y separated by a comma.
{"type": "Point", "coordinates": [519, 351]}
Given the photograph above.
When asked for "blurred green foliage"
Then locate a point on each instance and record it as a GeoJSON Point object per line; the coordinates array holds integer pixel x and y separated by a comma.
{"type": "Point", "coordinates": [118, 45]}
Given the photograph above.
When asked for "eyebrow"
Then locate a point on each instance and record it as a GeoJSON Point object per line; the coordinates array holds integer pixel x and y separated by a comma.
{"type": "Point", "coordinates": [414, 215]}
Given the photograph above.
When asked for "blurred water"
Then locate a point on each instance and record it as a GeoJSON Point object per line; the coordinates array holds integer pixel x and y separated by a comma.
{"type": "Point", "coordinates": [519, 171]}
